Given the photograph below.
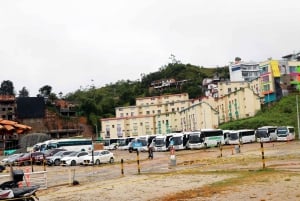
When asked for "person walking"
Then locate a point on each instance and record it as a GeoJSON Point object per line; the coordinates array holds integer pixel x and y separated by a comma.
{"type": "Point", "coordinates": [150, 152]}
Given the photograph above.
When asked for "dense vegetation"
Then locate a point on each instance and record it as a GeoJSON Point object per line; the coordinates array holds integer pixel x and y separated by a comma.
{"type": "Point", "coordinates": [281, 113]}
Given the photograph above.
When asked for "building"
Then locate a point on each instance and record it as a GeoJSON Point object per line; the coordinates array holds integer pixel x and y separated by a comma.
{"type": "Point", "coordinates": [243, 71]}
{"type": "Point", "coordinates": [150, 115]}
{"type": "Point", "coordinates": [174, 113]}
{"type": "Point", "coordinates": [8, 107]}
{"type": "Point", "coordinates": [270, 81]}
{"type": "Point", "coordinates": [290, 72]}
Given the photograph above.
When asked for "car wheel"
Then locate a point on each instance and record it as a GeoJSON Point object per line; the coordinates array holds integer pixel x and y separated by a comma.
{"type": "Point", "coordinates": [26, 163]}
{"type": "Point", "coordinates": [57, 162]}
{"type": "Point", "coordinates": [73, 163]}
{"type": "Point", "coordinates": [97, 162]}
{"type": "Point", "coordinates": [111, 160]}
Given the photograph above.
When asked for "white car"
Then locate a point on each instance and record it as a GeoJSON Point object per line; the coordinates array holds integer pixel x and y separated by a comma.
{"type": "Point", "coordinates": [55, 159]}
{"type": "Point", "coordinates": [73, 159]}
{"type": "Point", "coordinates": [101, 156]}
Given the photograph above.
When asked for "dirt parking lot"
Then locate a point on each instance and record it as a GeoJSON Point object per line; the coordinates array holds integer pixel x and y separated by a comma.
{"type": "Point", "coordinates": [198, 175]}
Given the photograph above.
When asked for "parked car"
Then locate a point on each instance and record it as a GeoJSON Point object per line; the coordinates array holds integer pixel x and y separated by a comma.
{"type": "Point", "coordinates": [27, 157]}
{"type": "Point", "coordinates": [73, 159]}
{"type": "Point", "coordinates": [47, 153]}
{"type": "Point", "coordinates": [9, 160]}
{"type": "Point", "coordinates": [102, 156]}
{"type": "Point", "coordinates": [55, 159]}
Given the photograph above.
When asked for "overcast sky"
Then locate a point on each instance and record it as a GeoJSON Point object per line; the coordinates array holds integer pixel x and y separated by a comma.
{"type": "Point", "coordinates": [77, 43]}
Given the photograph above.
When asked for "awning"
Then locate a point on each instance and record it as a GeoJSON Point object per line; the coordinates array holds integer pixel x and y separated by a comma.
{"type": "Point", "coordinates": [8, 127]}
{"type": "Point", "coordinates": [8, 122]}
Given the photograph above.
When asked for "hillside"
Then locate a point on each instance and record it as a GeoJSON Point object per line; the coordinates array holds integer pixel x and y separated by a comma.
{"type": "Point", "coordinates": [95, 103]}
{"type": "Point", "coordinates": [283, 112]}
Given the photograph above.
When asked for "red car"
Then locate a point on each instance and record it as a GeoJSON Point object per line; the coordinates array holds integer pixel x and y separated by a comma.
{"type": "Point", "coordinates": [39, 159]}
{"type": "Point", "coordinates": [26, 158]}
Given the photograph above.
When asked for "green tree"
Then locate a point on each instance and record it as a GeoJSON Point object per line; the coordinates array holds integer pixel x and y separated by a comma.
{"type": "Point", "coordinates": [7, 88]}
{"type": "Point", "coordinates": [23, 92]}
{"type": "Point", "coordinates": [45, 91]}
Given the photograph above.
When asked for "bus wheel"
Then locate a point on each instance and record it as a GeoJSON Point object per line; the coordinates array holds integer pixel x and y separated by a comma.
{"type": "Point", "coordinates": [97, 162]}
{"type": "Point", "coordinates": [205, 146]}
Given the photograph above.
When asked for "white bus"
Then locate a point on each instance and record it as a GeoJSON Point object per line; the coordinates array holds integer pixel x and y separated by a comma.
{"type": "Point", "coordinates": [195, 140]}
{"type": "Point", "coordinates": [68, 144]}
{"type": "Point", "coordinates": [179, 141]}
{"type": "Point", "coordinates": [285, 133]}
{"type": "Point", "coordinates": [234, 137]}
{"type": "Point", "coordinates": [161, 142]}
{"type": "Point", "coordinates": [247, 135]}
{"type": "Point", "coordinates": [123, 143]}
{"type": "Point", "coordinates": [266, 134]}
{"type": "Point", "coordinates": [212, 137]}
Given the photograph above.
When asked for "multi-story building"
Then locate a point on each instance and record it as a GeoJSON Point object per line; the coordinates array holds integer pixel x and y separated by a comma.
{"type": "Point", "coordinates": [171, 113]}
{"type": "Point", "coordinates": [290, 72]}
{"type": "Point", "coordinates": [8, 107]}
{"type": "Point", "coordinates": [243, 71]}
{"type": "Point", "coordinates": [270, 81]}
{"type": "Point", "coordinates": [150, 115]}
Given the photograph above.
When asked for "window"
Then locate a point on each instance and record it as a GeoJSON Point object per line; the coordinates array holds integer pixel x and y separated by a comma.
{"type": "Point", "coordinates": [293, 69]}
{"type": "Point", "coordinates": [265, 79]}
{"type": "Point", "coordinates": [229, 90]}
{"type": "Point", "coordinates": [267, 87]}
{"type": "Point", "coordinates": [148, 112]}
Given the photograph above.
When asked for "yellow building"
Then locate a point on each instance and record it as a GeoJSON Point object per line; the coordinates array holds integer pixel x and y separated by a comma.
{"type": "Point", "coordinates": [270, 81]}
{"type": "Point", "coordinates": [150, 115]}
{"type": "Point", "coordinates": [171, 113]}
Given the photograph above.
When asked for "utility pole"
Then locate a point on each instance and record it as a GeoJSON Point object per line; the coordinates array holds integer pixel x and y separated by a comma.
{"type": "Point", "coordinates": [298, 117]}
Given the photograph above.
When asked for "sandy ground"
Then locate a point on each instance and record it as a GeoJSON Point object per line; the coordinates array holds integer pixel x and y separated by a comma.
{"type": "Point", "coordinates": [232, 177]}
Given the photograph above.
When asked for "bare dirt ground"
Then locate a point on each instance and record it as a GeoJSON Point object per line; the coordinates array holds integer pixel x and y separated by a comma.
{"type": "Point", "coordinates": [198, 175]}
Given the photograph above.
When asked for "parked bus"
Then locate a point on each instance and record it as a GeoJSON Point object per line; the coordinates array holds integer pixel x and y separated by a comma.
{"type": "Point", "coordinates": [212, 137]}
{"type": "Point", "coordinates": [285, 133]}
{"type": "Point", "coordinates": [110, 143]}
{"type": "Point", "coordinates": [68, 144]}
{"type": "Point", "coordinates": [123, 143]}
{"type": "Point", "coordinates": [162, 142]}
{"type": "Point", "coordinates": [234, 137]}
{"type": "Point", "coordinates": [226, 136]}
{"type": "Point", "coordinates": [247, 136]}
{"type": "Point", "coordinates": [179, 141]}
{"type": "Point", "coordinates": [195, 140]}
{"type": "Point", "coordinates": [266, 134]}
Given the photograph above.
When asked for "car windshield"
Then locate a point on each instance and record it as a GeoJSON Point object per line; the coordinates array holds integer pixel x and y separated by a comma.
{"type": "Point", "coordinates": [96, 153]}
{"type": "Point", "coordinates": [58, 153]}
{"type": "Point", "coordinates": [73, 154]}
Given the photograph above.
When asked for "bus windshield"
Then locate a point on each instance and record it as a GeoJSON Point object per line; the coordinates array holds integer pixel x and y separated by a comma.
{"type": "Point", "coordinates": [194, 138]}
{"type": "Point", "coordinates": [233, 136]}
{"type": "Point", "coordinates": [282, 132]}
{"type": "Point", "coordinates": [177, 140]}
{"type": "Point", "coordinates": [159, 142]}
{"type": "Point", "coordinates": [262, 133]}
